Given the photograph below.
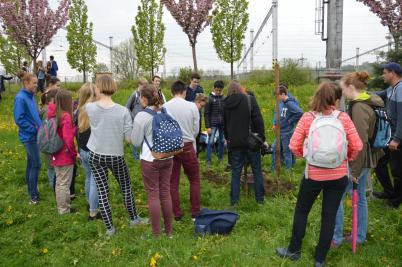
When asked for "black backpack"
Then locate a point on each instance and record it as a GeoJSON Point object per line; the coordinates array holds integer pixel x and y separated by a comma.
{"type": "Point", "coordinates": [215, 222]}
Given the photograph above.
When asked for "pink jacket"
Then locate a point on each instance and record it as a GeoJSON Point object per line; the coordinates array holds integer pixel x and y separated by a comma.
{"type": "Point", "coordinates": [355, 145]}
{"type": "Point", "coordinates": [67, 155]}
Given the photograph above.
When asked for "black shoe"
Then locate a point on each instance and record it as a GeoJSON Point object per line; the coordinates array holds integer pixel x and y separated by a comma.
{"type": "Point", "coordinates": [96, 217]}
{"type": "Point", "coordinates": [72, 197]}
{"type": "Point", "coordinates": [381, 195]}
{"type": "Point", "coordinates": [395, 202]}
{"type": "Point", "coordinates": [284, 253]}
{"type": "Point", "coordinates": [319, 264]}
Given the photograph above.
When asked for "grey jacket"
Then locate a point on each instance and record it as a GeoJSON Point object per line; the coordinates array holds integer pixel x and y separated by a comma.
{"type": "Point", "coordinates": [133, 104]}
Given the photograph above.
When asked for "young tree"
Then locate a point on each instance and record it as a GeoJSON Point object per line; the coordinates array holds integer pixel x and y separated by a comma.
{"type": "Point", "coordinates": [124, 59]}
{"type": "Point", "coordinates": [228, 27]}
{"type": "Point", "coordinates": [81, 54]}
{"type": "Point", "coordinates": [11, 55]}
{"type": "Point", "coordinates": [193, 17]}
{"type": "Point", "coordinates": [390, 14]}
{"type": "Point", "coordinates": [32, 24]}
{"type": "Point", "coordinates": [149, 33]}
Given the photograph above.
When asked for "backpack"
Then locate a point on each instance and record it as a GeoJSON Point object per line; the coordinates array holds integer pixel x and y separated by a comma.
{"type": "Point", "coordinates": [327, 145]}
{"type": "Point", "coordinates": [167, 138]}
{"type": "Point", "coordinates": [382, 129]}
{"type": "Point", "coordinates": [48, 139]}
{"type": "Point", "coordinates": [215, 222]}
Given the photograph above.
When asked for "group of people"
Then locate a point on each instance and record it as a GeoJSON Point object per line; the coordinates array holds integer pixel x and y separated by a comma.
{"type": "Point", "coordinates": [101, 127]}
{"type": "Point", "coordinates": [43, 73]}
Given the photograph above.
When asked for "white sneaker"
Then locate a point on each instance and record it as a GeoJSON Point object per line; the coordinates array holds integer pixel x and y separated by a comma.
{"type": "Point", "coordinates": [111, 232]}
{"type": "Point", "coordinates": [139, 221]}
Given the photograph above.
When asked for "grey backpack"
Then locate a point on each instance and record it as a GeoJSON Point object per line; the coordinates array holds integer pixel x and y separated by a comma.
{"type": "Point", "coordinates": [48, 139]}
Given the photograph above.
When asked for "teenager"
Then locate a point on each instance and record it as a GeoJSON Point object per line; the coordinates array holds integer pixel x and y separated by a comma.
{"type": "Point", "coordinates": [155, 173]}
{"type": "Point", "coordinates": [54, 68]}
{"type": "Point", "coordinates": [361, 111]}
{"type": "Point", "coordinates": [242, 113]}
{"type": "Point", "coordinates": [2, 86]}
{"type": "Point", "coordinates": [87, 94]}
{"type": "Point", "coordinates": [26, 116]}
{"type": "Point", "coordinates": [332, 182]}
{"type": "Point", "coordinates": [111, 124]}
{"type": "Point", "coordinates": [290, 113]}
{"type": "Point", "coordinates": [188, 116]}
{"type": "Point", "coordinates": [214, 121]}
{"type": "Point", "coordinates": [40, 73]}
{"type": "Point", "coordinates": [194, 88]}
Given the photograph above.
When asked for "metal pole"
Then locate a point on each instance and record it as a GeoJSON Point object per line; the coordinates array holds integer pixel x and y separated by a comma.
{"type": "Point", "coordinates": [111, 52]}
{"type": "Point", "coordinates": [357, 58]}
{"type": "Point", "coordinates": [252, 49]}
{"type": "Point", "coordinates": [245, 63]}
{"type": "Point", "coordinates": [334, 34]}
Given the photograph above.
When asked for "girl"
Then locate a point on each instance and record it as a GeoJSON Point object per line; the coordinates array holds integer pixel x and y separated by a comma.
{"type": "Point", "coordinates": [331, 181]}
{"type": "Point", "coordinates": [86, 95]}
{"type": "Point", "coordinates": [363, 116]}
{"type": "Point", "coordinates": [111, 124]}
{"type": "Point", "coordinates": [40, 73]}
{"type": "Point", "coordinates": [156, 173]}
{"type": "Point", "coordinates": [63, 161]}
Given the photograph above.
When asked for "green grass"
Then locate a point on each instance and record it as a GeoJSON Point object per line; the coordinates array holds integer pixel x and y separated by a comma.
{"type": "Point", "coordinates": [38, 236]}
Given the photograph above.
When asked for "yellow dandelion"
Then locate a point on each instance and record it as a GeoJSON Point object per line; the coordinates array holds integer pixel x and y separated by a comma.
{"type": "Point", "coordinates": [195, 257]}
{"type": "Point", "coordinates": [9, 221]}
{"type": "Point", "coordinates": [114, 252]}
{"type": "Point", "coordinates": [349, 203]}
{"type": "Point", "coordinates": [45, 250]}
{"type": "Point", "coordinates": [29, 215]}
{"type": "Point", "coordinates": [9, 208]}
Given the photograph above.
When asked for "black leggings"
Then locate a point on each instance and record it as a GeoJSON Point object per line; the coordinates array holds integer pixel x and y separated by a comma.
{"type": "Point", "coordinates": [332, 195]}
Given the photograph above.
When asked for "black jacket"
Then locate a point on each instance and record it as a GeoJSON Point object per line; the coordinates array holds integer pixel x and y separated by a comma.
{"type": "Point", "coordinates": [214, 111]}
{"type": "Point", "coordinates": [237, 120]}
{"type": "Point", "coordinates": [2, 78]}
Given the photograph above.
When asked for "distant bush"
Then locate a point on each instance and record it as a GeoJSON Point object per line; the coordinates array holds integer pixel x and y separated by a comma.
{"type": "Point", "coordinates": [259, 77]}
{"type": "Point", "coordinates": [292, 74]}
{"type": "Point", "coordinates": [186, 72]}
{"type": "Point", "coordinates": [71, 86]}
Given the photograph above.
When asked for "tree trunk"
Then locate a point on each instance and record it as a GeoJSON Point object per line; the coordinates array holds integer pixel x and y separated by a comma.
{"type": "Point", "coordinates": [194, 58]}
{"type": "Point", "coordinates": [231, 71]}
{"type": "Point", "coordinates": [84, 76]}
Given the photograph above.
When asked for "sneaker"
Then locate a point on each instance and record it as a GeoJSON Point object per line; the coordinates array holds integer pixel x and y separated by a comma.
{"type": "Point", "coordinates": [285, 253]}
{"type": "Point", "coordinates": [72, 197]}
{"type": "Point", "coordinates": [319, 264]}
{"type": "Point", "coordinates": [96, 217]}
{"type": "Point", "coordinates": [139, 221]}
{"type": "Point", "coordinates": [111, 232]}
{"type": "Point", "coordinates": [34, 201]}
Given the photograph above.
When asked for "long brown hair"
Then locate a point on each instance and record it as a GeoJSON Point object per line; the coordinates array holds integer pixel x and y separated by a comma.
{"type": "Point", "coordinates": [106, 85]}
{"type": "Point", "coordinates": [358, 79]}
{"type": "Point", "coordinates": [234, 88]}
{"type": "Point", "coordinates": [64, 103]}
{"type": "Point", "coordinates": [152, 95]}
{"type": "Point", "coordinates": [326, 96]}
{"type": "Point", "coordinates": [86, 94]}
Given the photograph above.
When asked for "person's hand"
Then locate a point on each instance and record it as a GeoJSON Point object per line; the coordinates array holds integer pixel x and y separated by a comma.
{"type": "Point", "coordinates": [78, 157]}
{"type": "Point", "coordinates": [209, 131]}
{"type": "Point", "coordinates": [273, 128]}
{"type": "Point", "coordinates": [355, 180]}
{"type": "Point", "coordinates": [393, 145]}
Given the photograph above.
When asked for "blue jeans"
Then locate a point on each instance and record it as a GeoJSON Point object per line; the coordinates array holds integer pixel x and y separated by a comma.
{"type": "Point", "coordinates": [287, 158]}
{"type": "Point", "coordinates": [32, 169]}
{"type": "Point", "coordinates": [362, 211]}
{"type": "Point", "coordinates": [91, 191]}
{"type": "Point", "coordinates": [238, 159]}
{"type": "Point", "coordinates": [136, 156]}
{"type": "Point", "coordinates": [221, 141]}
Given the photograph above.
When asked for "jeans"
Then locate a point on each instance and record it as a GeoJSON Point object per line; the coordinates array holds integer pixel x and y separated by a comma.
{"type": "Point", "coordinates": [238, 159]}
{"type": "Point", "coordinates": [91, 191]}
{"type": "Point", "coordinates": [221, 141]}
{"type": "Point", "coordinates": [396, 171]}
{"type": "Point", "coordinates": [32, 168]}
{"type": "Point", "coordinates": [287, 158]}
{"type": "Point", "coordinates": [362, 211]}
{"type": "Point", "coordinates": [136, 156]}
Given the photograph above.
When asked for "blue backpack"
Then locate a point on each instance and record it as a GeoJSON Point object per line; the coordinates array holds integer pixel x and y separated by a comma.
{"type": "Point", "coordinates": [167, 138]}
{"type": "Point", "coordinates": [215, 222]}
{"type": "Point", "coordinates": [382, 130]}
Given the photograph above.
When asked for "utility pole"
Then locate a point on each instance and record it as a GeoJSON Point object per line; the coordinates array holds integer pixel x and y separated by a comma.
{"type": "Point", "coordinates": [302, 59]}
{"type": "Point", "coordinates": [164, 65]}
{"type": "Point", "coordinates": [245, 62]}
{"type": "Point", "coordinates": [357, 58]}
{"type": "Point", "coordinates": [334, 33]}
{"type": "Point", "coordinates": [111, 52]}
{"type": "Point", "coordinates": [252, 49]}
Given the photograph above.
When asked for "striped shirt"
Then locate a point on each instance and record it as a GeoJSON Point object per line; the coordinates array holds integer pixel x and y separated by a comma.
{"type": "Point", "coordinates": [301, 132]}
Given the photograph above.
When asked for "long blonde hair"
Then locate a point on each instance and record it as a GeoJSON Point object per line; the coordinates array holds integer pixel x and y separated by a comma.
{"type": "Point", "coordinates": [86, 94]}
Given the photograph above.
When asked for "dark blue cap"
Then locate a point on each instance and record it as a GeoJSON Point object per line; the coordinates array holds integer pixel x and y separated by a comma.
{"type": "Point", "coordinates": [392, 66]}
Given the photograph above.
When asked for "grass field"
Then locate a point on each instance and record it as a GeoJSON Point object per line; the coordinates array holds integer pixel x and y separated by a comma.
{"type": "Point", "coordinates": [38, 236]}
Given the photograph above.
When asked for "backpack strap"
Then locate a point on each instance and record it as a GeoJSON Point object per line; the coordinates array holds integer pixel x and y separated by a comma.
{"type": "Point", "coordinates": [150, 111]}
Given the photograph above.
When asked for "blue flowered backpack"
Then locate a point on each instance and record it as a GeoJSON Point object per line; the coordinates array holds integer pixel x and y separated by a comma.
{"type": "Point", "coordinates": [167, 138]}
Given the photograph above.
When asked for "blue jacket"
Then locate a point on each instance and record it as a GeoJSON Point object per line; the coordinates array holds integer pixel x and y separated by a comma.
{"type": "Point", "coordinates": [53, 69]}
{"type": "Point", "coordinates": [393, 104]}
{"type": "Point", "coordinates": [290, 114]}
{"type": "Point", "coordinates": [26, 116]}
{"type": "Point", "coordinates": [191, 93]}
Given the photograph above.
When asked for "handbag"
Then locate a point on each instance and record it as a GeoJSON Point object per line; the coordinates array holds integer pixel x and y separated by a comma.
{"type": "Point", "coordinates": [254, 142]}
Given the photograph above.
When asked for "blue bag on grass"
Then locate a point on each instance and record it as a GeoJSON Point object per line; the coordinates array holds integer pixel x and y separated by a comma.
{"type": "Point", "coordinates": [215, 222]}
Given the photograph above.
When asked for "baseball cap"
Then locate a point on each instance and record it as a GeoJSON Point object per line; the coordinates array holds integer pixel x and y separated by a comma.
{"type": "Point", "coordinates": [392, 66]}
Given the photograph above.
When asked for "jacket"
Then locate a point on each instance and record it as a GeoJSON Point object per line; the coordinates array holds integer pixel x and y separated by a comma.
{"type": "Point", "coordinates": [66, 130]}
{"type": "Point", "coordinates": [237, 120]}
{"type": "Point", "coordinates": [134, 104]}
{"type": "Point", "coordinates": [53, 69]}
{"type": "Point", "coordinates": [323, 174]}
{"type": "Point", "coordinates": [393, 96]}
{"type": "Point", "coordinates": [363, 116]}
{"type": "Point", "coordinates": [191, 93]}
{"type": "Point", "coordinates": [26, 116]}
{"type": "Point", "coordinates": [290, 114]}
{"type": "Point", "coordinates": [2, 78]}
{"type": "Point", "coordinates": [213, 112]}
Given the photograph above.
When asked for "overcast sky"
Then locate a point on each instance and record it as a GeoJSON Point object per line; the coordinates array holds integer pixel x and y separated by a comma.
{"type": "Point", "coordinates": [361, 29]}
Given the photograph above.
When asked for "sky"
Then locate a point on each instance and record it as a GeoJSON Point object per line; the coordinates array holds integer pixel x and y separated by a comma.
{"type": "Point", "coordinates": [296, 27]}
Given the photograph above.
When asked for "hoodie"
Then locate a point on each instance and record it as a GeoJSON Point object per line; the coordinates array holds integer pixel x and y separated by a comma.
{"type": "Point", "coordinates": [66, 130]}
{"type": "Point", "coordinates": [26, 116]}
{"type": "Point", "coordinates": [214, 111]}
{"type": "Point", "coordinates": [290, 114]}
{"type": "Point", "coordinates": [363, 116]}
{"type": "Point", "coordinates": [237, 120]}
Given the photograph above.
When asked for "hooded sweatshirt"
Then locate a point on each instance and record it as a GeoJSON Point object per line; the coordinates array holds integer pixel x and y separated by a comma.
{"type": "Point", "coordinates": [66, 130]}
{"type": "Point", "coordinates": [237, 120]}
{"type": "Point", "coordinates": [363, 116]}
{"type": "Point", "coordinates": [290, 114]}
